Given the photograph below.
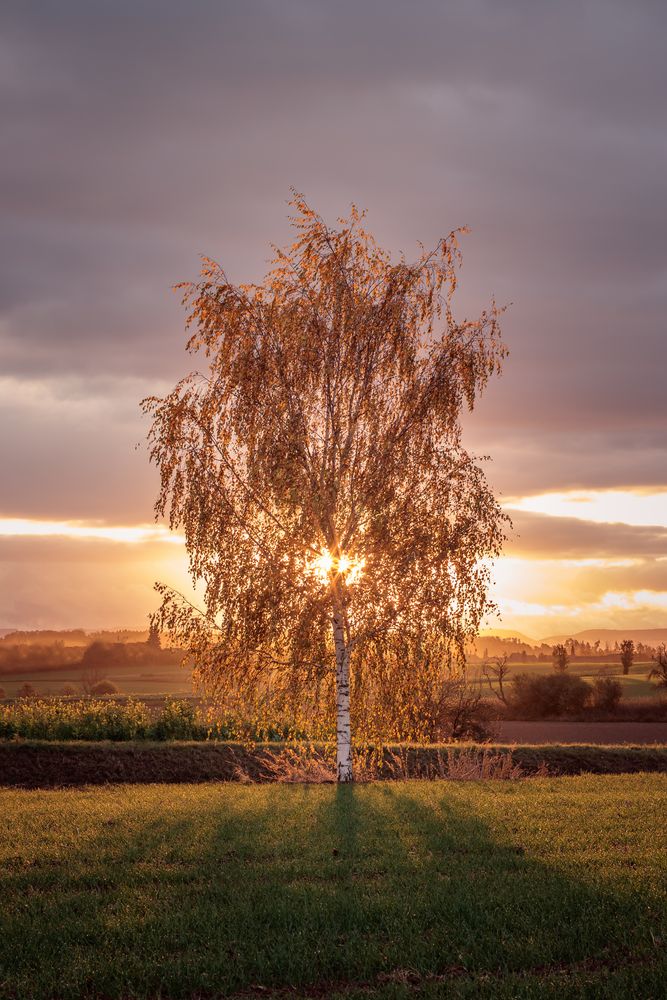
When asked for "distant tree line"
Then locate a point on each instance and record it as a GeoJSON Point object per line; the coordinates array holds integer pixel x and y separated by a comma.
{"type": "Point", "coordinates": [100, 654]}
{"type": "Point", "coordinates": [487, 647]}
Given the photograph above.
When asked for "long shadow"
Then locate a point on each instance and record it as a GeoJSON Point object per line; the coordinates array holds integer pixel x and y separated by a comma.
{"type": "Point", "coordinates": [214, 889]}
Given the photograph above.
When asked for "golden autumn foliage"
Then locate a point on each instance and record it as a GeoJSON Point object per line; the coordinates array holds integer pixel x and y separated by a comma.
{"type": "Point", "coordinates": [315, 464]}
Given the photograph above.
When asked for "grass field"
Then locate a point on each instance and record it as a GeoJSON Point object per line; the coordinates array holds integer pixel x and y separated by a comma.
{"type": "Point", "coordinates": [155, 681]}
{"type": "Point", "coordinates": [635, 684]}
{"type": "Point", "coordinates": [543, 888]}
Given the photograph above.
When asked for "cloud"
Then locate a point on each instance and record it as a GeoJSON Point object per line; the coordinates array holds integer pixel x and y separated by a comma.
{"type": "Point", "coordinates": [543, 597]}
{"type": "Point", "coordinates": [540, 536]}
{"type": "Point", "coordinates": [139, 135]}
{"type": "Point", "coordinates": [72, 451]}
{"type": "Point", "coordinates": [134, 534]}
{"type": "Point", "coordinates": [57, 582]}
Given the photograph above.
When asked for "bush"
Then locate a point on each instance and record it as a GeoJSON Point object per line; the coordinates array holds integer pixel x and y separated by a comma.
{"type": "Point", "coordinates": [104, 687]}
{"type": "Point", "coordinates": [606, 694]}
{"type": "Point", "coordinates": [27, 691]}
{"type": "Point", "coordinates": [463, 715]}
{"type": "Point", "coordinates": [556, 694]}
{"type": "Point", "coordinates": [178, 721]}
{"type": "Point", "coordinates": [58, 719]}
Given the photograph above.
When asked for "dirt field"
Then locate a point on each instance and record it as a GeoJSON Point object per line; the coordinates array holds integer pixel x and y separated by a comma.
{"type": "Point", "coordinates": [34, 764]}
{"type": "Point", "coordinates": [583, 732]}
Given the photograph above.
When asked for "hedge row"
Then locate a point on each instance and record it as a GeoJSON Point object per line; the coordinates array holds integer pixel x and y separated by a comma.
{"type": "Point", "coordinates": [51, 764]}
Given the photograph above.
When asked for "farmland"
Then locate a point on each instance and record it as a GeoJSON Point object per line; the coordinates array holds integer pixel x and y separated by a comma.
{"type": "Point", "coordinates": [539, 888]}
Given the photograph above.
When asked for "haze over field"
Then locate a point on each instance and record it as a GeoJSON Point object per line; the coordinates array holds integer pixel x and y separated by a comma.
{"type": "Point", "coordinates": [138, 136]}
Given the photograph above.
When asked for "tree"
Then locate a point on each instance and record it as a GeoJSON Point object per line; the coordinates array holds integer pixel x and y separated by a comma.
{"type": "Point", "coordinates": [561, 658]}
{"type": "Point", "coordinates": [317, 470]}
{"type": "Point", "coordinates": [627, 654]}
{"type": "Point", "coordinates": [153, 641]}
{"type": "Point", "coordinates": [659, 671]}
{"type": "Point", "coordinates": [496, 673]}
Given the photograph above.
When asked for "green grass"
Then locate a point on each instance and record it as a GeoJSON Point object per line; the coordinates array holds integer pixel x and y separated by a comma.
{"type": "Point", "coordinates": [635, 684]}
{"type": "Point", "coordinates": [546, 888]}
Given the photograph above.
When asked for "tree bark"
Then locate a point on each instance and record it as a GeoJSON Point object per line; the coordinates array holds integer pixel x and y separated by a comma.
{"type": "Point", "coordinates": [343, 736]}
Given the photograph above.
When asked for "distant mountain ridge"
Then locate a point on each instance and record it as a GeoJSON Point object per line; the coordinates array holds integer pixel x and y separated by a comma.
{"type": "Point", "coordinates": [508, 633]}
{"type": "Point", "coordinates": [649, 636]}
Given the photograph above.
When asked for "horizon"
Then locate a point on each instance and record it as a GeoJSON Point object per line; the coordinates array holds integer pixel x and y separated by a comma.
{"type": "Point", "coordinates": [501, 634]}
{"type": "Point", "coordinates": [135, 144]}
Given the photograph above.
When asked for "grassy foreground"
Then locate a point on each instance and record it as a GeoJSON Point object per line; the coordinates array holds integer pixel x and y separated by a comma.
{"type": "Point", "coordinates": [541, 888]}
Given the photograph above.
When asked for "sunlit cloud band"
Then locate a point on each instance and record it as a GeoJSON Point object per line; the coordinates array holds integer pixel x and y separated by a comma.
{"type": "Point", "coordinates": [21, 527]}
{"type": "Point", "coordinates": [634, 507]}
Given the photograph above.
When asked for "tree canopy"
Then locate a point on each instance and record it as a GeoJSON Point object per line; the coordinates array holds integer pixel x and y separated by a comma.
{"type": "Point", "coordinates": [316, 467]}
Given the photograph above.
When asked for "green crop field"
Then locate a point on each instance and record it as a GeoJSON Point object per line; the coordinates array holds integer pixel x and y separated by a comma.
{"type": "Point", "coordinates": [545, 888]}
{"type": "Point", "coordinates": [636, 684]}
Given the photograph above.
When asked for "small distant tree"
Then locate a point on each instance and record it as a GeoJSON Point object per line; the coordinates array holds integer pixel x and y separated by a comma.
{"type": "Point", "coordinates": [627, 655]}
{"type": "Point", "coordinates": [101, 655]}
{"type": "Point", "coordinates": [90, 676]}
{"type": "Point", "coordinates": [561, 658]}
{"type": "Point", "coordinates": [317, 470]}
{"type": "Point", "coordinates": [496, 673]}
{"type": "Point", "coordinates": [104, 687]}
{"type": "Point", "coordinates": [607, 694]}
{"type": "Point", "coordinates": [659, 671]}
{"type": "Point", "coordinates": [2, 693]}
{"type": "Point", "coordinates": [27, 691]}
{"type": "Point", "coordinates": [68, 690]}
{"type": "Point", "coordinates": [153, 641]}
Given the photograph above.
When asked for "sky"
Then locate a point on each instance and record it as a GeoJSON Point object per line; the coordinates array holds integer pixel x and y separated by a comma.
{"type": "Point", "coordinates": [138, 135]}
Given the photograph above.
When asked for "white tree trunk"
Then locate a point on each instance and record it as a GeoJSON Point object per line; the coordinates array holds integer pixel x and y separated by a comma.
{"type": "Point", "coordinates": [343, 739]}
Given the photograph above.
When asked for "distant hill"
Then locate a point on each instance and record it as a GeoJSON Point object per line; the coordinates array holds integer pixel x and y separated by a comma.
{"type": "Point", "coordinates": [649, 636]}
{"type": "Point", "coordinates": [506, 633]}
{"type": "Point", "coordinates": [496, 644]}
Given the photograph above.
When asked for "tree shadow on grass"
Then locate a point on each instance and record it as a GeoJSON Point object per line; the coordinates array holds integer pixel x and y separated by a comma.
{"type": "Point", "coordinates": [318, 888]}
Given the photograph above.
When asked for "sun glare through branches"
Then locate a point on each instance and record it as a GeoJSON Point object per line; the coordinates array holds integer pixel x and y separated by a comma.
{"type": "Point", "coordinates": [327, 566]}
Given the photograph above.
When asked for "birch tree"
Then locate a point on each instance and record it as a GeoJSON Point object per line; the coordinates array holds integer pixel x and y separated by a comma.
{"type": "Point", "coordinates": [315, 465]}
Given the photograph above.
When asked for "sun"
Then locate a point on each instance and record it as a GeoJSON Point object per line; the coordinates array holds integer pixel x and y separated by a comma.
{"type": "Point", "coordinates": [327, 566]}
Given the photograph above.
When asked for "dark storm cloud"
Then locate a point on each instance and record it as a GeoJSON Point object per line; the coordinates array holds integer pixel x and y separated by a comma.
{"type": "Point", "coordinates": [137, 135]}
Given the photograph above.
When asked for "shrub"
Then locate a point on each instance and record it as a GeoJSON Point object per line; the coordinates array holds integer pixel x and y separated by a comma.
{"type": "Point", "coordinates": [464, 715]}
{"type": "Point", "coordinates": [606, 694]}
{"type": "Point", "coordinates": [27, 691]}
{"type": "Point", "coordinates": [178, 721]}
{"type": "Point", "coordinates": [556, 694]}
{"type": "Point", "coordinates": [311, 764]}
{"type": "Point", "coordinates": [104, 687]}
{"type": "Point", "coordinates": [59, 719]}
